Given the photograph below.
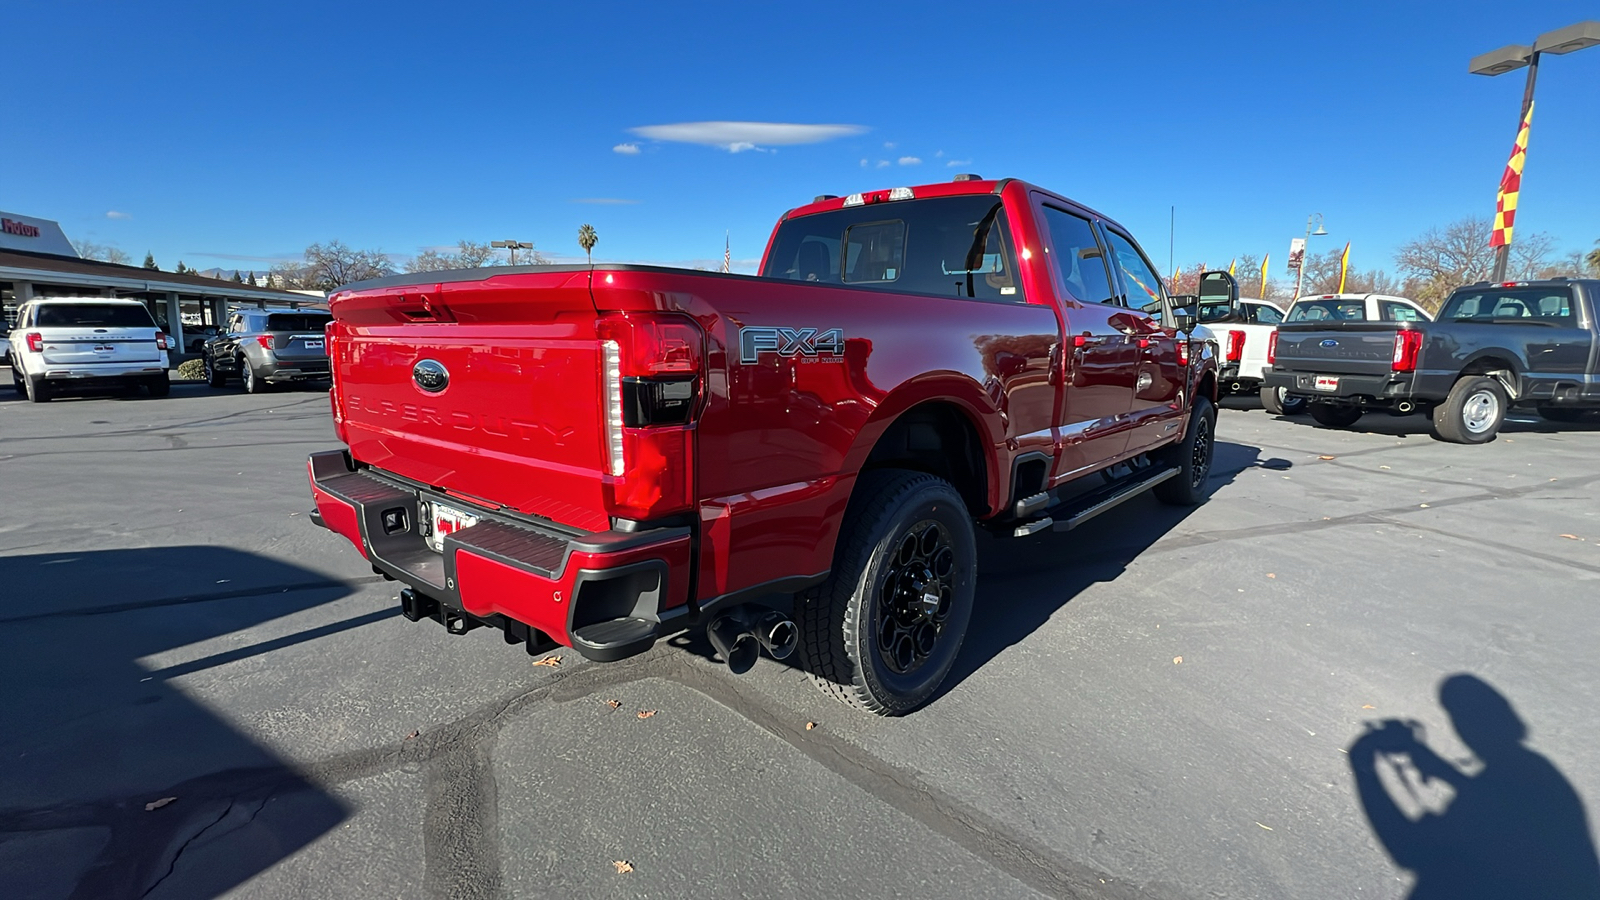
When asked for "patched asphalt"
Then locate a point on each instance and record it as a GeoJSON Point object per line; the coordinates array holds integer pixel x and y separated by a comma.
{"type": "Point", "coordinates": [1159, 704]}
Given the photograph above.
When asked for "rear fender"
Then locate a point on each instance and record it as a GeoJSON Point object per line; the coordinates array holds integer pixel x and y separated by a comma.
{"type": "Point", "coordinates": [969, 398]}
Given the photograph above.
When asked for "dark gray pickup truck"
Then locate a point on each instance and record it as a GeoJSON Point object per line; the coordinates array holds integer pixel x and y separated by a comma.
{"type": "Point", "coordinates": [1492, 347]}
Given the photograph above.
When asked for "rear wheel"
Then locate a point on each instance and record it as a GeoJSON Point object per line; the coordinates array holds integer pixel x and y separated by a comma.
{"type": "Point", "coordinates": [1278, 402]}
{"type": "Point", "coordinates": [253, 383]}
{"type": "Point", "coordinates": [36, 389]}
{"type": "Point", "coordinates": [1473, 412]}
{"type": "Point", "coordinates": [16, 381]}
{"type": "Point", "coordinates": [1329, 415]}
{"type": "Point", "coordinates": [884, 630]}
{"type": "Point", "coordinates": [213, 377]}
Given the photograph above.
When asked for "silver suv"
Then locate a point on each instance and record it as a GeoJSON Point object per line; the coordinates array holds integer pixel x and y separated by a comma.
{"type": "Point", "coordinates": [262, 347]}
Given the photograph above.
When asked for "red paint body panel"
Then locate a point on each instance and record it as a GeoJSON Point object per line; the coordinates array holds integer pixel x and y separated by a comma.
{"type": "Point", "coordinates": [339, 516]}
{"type": "Point", "coordinates": [766, 463]}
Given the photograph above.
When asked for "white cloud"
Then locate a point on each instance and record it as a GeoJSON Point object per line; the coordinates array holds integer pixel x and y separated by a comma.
{"type": "Point", "coordinates": [883, 164]}
{"type": "Point", "coordinates": [736, 137]}
{"type": "Point", "coordinates": [938, 154]}
{"type": "Point", "coordinates": [958, 162]}
{"type": "Point", "coordinates": [910, 161]}
{"type": "Point", "coordinates": [863, 164]}
{"type": "Point", "coordinates": [889, 145]}
{"type": "Point", "coordinates": [113, 214]}
{"type": "Point", "coordinates": [604, 201]}
{"type": "Point", "coordinates": [628, 149]}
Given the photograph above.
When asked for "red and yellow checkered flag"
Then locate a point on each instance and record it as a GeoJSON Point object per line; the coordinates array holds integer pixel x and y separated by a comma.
{"type": "Point", "coordinates": [1505, 207]}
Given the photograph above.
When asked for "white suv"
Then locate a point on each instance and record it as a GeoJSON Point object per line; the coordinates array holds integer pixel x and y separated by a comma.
{"type": "Point", "coordinates": [91, 341]}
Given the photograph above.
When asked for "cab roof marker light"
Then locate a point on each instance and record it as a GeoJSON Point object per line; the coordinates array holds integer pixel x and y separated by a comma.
{"type": "Point", "coordinates": [902, 193]}
{"type": "Point", "coordinates": [855, 200]}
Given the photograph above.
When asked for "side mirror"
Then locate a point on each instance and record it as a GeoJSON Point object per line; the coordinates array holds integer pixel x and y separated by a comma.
{"type": "Point", "coordinates": [1219, 289]}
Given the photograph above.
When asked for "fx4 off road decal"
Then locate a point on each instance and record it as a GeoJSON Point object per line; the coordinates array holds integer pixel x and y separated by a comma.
{"type": "Point", "coordinates": [806, 343]}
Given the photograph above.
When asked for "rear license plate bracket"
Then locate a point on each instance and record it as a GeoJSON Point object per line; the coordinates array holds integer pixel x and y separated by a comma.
{"type": "Point", "coordinates": [1326, 383]}
{"type": "Point", "coordinates": [444, 520]}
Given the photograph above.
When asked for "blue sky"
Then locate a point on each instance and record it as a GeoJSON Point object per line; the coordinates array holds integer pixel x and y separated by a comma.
{"type": "Point", "coordinates": [232, 134]}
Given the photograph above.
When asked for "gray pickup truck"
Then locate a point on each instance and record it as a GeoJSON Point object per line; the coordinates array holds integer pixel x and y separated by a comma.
{"type": "Point", "coordinates": [1492, 347]}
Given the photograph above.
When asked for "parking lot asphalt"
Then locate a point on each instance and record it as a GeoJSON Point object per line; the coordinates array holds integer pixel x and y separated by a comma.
{"type": "Point", "coordinates": [208, 696]}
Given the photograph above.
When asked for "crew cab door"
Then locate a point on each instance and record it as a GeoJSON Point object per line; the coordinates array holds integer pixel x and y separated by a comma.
{"type": "Point", "coordinates": [1156, 408]}
{"type": "Point", "coordinates": [1099, 354]}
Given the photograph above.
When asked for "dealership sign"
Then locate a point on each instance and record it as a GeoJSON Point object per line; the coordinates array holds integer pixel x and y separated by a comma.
{"type": "Point", "coordinates": [19, 232]}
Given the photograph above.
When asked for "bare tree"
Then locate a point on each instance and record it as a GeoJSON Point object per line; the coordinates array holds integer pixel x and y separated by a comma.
{"type": "Point", "coordinates": [101, 252]}
{"type": "Point", "coordinates": [328, 266]}
{"type": "Point", "coordinates": [1442, 259]}
{"type": "Point", "coordinates": [468, 255]}
{"type": "Point", "coordinates": [1593, 259]}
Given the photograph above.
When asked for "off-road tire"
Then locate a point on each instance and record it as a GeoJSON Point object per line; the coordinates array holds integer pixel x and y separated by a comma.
{"type": "Point", "coordinates": [1473, 412]}
{"type": "Point", "coordinates": [159, 385]}
{"type": "Point", "coordinates": [1561, 413]}
{"type": "Point", "coordinates": [214, 376]}
{"type": "Point", "coordinates": [1330, 415]}
{"type": "Point", "coordinates": [1278, 404]}
{"type": "Point", "coordinates": [839, 619]}
{"type": "Point", "coordinates": [1192, 457]}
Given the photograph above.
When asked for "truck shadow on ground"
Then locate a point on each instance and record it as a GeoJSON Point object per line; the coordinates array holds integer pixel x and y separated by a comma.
{"type": "Point", "coordinates": [1505, 824]}
{"type": "Point", "coordinates": [1420, 426]}
{"type": "Point", "coordinates": [98, 737]}
{"type": "Point", "coordinates": [1023, 582]}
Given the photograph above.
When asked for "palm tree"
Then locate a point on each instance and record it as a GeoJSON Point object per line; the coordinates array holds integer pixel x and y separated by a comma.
{"type": "Point", "coordinates": [587, 239]}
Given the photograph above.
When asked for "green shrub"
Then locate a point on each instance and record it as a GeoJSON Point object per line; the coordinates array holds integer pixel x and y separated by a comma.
{"type": "Point", "coordinates": [192, 370]}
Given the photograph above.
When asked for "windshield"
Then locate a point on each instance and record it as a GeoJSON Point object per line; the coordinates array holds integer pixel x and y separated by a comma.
{"type": "Point", "coordinates": [93, 315]}
{"type": "Point", "coordinates": [296, 322]}
{"type": "Point", "coordinates": [1551, 305]}
{"type": "Point", "coordinates": [1328, 310]}
{"type": "Point", "coordinates": [943, 246]}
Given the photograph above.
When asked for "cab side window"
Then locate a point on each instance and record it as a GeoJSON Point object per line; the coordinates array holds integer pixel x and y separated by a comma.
{"type": "Point", "coordinates": [1139, 278]}
{"type": "Point", "coordinates": [1262, 314]}
{"type": "Point", "coordinates": [1398, 312]}
{"type": "Point", "coordinates": [1080, 261]}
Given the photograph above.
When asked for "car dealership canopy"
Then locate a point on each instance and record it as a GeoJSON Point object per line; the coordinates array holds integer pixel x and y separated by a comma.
{"type": "Point", "coordinates": [37, 260]}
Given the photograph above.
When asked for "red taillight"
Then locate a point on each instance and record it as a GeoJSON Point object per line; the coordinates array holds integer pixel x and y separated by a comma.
{"type": "Point", "coordinates": [651, 371]}
{"type": "Point", "coordinates": [161, 341]}
{"type": "Point", "coordinates": [1407, 347]}
{"type": "Point", "coordinates": [265, 340]}
{"type": "Point", "coordinates": [1235, 346]}
{"type": "Point", "coordinates": [1183, 351]}
{"type": "Point", "coordinates": [1272, 349]}
{"type": "Point", "coordinates": [35, 342]}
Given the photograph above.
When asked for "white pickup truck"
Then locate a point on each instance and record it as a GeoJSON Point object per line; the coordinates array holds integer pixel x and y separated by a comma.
{"type": "Point", "coordinates": [1242, 333]}
{"type": "Point", "coordinates": [86, 341]}
{"type": "Point", "coordinates": [1336, 308]}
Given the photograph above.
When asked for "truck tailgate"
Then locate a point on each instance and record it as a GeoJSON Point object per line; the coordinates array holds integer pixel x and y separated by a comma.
{"type": "Point", "coordinates": [486, 390]}
{"type": "Point", "coordinates": [1345, 349]}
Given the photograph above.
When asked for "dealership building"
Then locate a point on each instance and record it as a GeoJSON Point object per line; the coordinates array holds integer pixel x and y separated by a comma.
{"type": "Point", "coordinates": [37, 260]}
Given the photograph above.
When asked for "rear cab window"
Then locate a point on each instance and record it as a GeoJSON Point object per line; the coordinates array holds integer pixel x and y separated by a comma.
{"type": "Point", "coordinates": [92, 315]}
{"type": "Point", "coordinates": [1545, 305]}
{"type": "Point", "coordinates": [1391, 311]}
{"type": "Point", "coordinates": [296, 322]}
{"type": "Point", "coordinates": [1328, 310]}
{"type": "Point", "coordinates": [940, 246]}
{"type": "Point", "coordinates": [1262, 314]}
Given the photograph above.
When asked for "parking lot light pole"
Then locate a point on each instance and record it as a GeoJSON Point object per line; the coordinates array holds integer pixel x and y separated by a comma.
{"type": "Point", "coordinates": [513, 246]}
{"type": "Point", "coordinates": [1514, 56]}
{"type": "Point", "coordinates": [1305, 251]}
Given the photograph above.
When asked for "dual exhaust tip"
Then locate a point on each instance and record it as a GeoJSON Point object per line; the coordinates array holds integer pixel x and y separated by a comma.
{"type": "Point", "coordinates": [740, 635]}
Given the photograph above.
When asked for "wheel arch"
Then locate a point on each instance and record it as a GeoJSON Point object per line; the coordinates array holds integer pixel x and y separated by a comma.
{"type": "Point", "coordinates": [947, 436]}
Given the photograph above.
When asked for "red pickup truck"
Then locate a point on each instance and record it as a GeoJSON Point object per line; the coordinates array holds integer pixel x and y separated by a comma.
{"type": "Point", "coordinates": [604, 456]}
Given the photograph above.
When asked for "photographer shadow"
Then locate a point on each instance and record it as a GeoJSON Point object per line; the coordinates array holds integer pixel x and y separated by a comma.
{"type": "Point", "coordinates": [1507, 824]}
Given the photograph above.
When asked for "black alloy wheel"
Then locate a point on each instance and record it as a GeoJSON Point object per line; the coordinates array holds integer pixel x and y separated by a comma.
{"type": "Point", "coordinates": [915, 598]}
{"type": "Point", "coordinates": [214, 378]}
{"type": "Point", "coordinates": [1191, 457]}
{"type": "Point", "coordinates": [884, 630]}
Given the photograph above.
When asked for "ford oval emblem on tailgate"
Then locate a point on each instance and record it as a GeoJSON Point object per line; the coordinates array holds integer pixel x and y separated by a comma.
{"type": "Point", "coordinates": [430, 375]}
{"type": "Point", "coordinates": [1330, 342]}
